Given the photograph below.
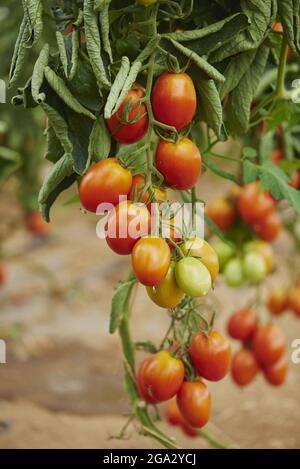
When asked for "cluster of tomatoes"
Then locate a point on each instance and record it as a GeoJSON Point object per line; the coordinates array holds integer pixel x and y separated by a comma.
{"type": "Point", "coordinates": [281, 299]}
{"type": "Point", "coordinates": [163, 376]}
{"type": "Point", "coordinates": [263, 349]}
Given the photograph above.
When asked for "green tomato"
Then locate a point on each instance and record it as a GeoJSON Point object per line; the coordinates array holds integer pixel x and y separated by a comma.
{"type": "Point", "coordinates": [166, 294]}
{"type": "Point", "coordinates": [225, 252]}
{"type": "Point", "coordinates": [255, 268]}
{"type": "Point", "coordinates": [233, 272]}
{"type": "Point", "coordinates": [192, 277]}
{"type": "Point", "coordinates": [146, 3]}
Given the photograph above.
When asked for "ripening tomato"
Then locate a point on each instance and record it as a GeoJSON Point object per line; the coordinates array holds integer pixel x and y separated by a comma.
{"type": "Point", "coordinates": [233, 273]}
{"type": "Point", "coordinates": [160, 377]}
{"type": "Point", "coordinates": [106, 181]}
{"type": "Point", "coordinates": [166, 294]}
{"type": "Point", "coordinates": [295, 179]}
{"type": "Point", "coordinates": [254, 266]}
{"type": "Point", "coordinates": [265, 249]}
{"type": "Point", "coordinates": [192, 277]}
{"type": "Point", "coordinates": [277, 27]}
{"type": "Point", "coordinates": [268, 344]}
{"type": "Point", "coordinates": [151, 259]}
{"type": "Point", "coordinates": [138, 184]}
{"type": "Point", "coordinates": [269, 228]}
{"type": "Point", "coordinates": [174, 99]}
{"type": "Point", "coordinates": [35, 224]}
{"type": "Point", "coordinates": [126, 223]}
{"type": "Point", "coordinates": [202, 250]}
{"type": "Point", "coordinates": [222, 212]}
{"type": "Point", "coordinates": [135, 127]}
{"type": "Point", "coordinates": [211, 354]}
{"type": "Point", "coordinates": [179, 163]}
{"type": "Point", "coordinates": [174, 417]}
{"type": "Point", "coordinates": [277, 301]}
{"type": "Point", "coordinates": [294, 300]}
{"type": "Point", "coordinates": [242, 324]}
{"type": "Point", "coordinates": [194, 402]}
{"type": "Point", "coordinates": [244, 367]}
{"type": "Point", "coordinates": [225, 252]}
{"type": "Point", "coordinates": [253, 204]}
{"type": "Point", "coordinates": [235, 191]}
{"type": "Point", "coordinates": [2, 274]}
{"type": "Point", "coordinates": [276, 373]}
{"type": "Point", "coordinates": [277, 155]}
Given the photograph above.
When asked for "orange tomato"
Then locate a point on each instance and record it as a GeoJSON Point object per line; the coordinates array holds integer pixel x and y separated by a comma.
{"type": "Point", "coordinates": [194, 403]}
{"type": "Point", "coordinates": [242, 324]}
{"type": "Point", "coordinates": [151, 260]}
{"type": "Point", "coordinates": [244, 367]}
{"type": "Point", "coordinates": [222, 212]}
{"type": "Point", "coordinates": [268, 344]}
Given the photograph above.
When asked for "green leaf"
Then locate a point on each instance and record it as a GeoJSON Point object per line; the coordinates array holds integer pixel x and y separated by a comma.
{"type": "Point", "coordinates": [99, 142]}
{"type": "Point", "coordinates": [218, 170]}
{"type": "Point", "coordinates": [104, 25]}
{"type": "Point", "coordinates": [119, 303]}
{"type": "Point", "coordinates": [34, 11]}
{"type": "Point", "coordinates": [289, 17]}
{"type": "Point", "coordinates": [117, 87]}
{"type": "Point", "coordinates": [234, 71]}
{"type": "Point", "coordinates": [210, 105]}
{"type": "Point", "coordinates": [38, 74]}
{"type": "Point", "coordinates": [249, 152]}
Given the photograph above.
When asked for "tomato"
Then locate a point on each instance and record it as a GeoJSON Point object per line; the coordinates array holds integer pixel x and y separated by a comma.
{"type": "Point", "coordinates": [174, 417]}
{"type": "Point", "coordinates": [265, 249]}
{"type": "Point", "coordinates": [224, 252]}
{"type": "Point", "coordinates": [166, 294]}
{"type": "Point", "coordinates": [242, 324]}
{"type": "Point", "coordinates": [160, 377]}
{"type": "Point", "coordinates": [179, 163]}
{"type": "Point", "coordinates": [211, 354]}
{"type": "Point", "coordinates": [270, 227]}
{"type": "Point", "coordinates": [268, 344]}
{"type": "Point", "coordinates": [294, 300]}
{"type": "Point", "coordinates": [295, 179]}
{"type": "Point", "coordinates": [233, 272]}
{"type": "Point", "coordinates": [35, 224]}
{"type": "Point", "coordinates": [202, 250]}
{"type": "Point", "coordinates": [278, 300]}
{"type": "Point", "coordinates": [277, 155]}
{"type": "Point", "coordinates": [138, 184]}
{"type": "Point", "coordinates": [222, 212]}
{"type": "Point", "coordinates": [151, 259]}
{"type": "Point", "coordinates": [277, 27]}
{"type": "Point", "coordinates": [174, 99]}
{"type": "Point", "coordinates": [126, 223]}
{"type": "Point", "coordinates": [194, 402]}
{"type": "Point", "coordinates": [244, 367]}
{"type": "Point", "coordinates": [2, 274]}
{"type": "Point", "coordinates": [192, 277]}
{"type": "Point", "coordinates": [255, 268]}
{"type": "Point", "coordinates": [235, 191]}
{"type": "Point", "coordinates": [253, 204]}
{"type": "Point", "coordinates": [130, 132]}
{"type": "Point", "coordinates": [106, 181]}
{"type": "Point", "coordinates": [276, 373]}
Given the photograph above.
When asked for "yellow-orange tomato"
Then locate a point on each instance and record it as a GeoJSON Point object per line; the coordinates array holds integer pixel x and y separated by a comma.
{"type": "Point", "coordinates": [277, 301]}
{"type": "Point", "coordinates": [294, 300]}
{"type": "Point", "coordinates": [166, 294]}
{"type": "Point", "coordinates": [151, 259]}
{"type": "Point", "coordinates": [194, 402]}
{"type": "Point", "coordinates": [202, 250]}
{"type": "Point", "coordinates": [222, 212]}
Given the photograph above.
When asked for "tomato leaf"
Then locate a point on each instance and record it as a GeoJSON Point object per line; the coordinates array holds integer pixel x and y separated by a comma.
{"type": "Point", "coordinates": [119, 303]}
{"type": "Point", "coordinates": [210, 106]}
{"type": "Point", "coordinates": [217, 169]}
{"type": "Point", "coordinates": [289, 17]}
{"type": "Point", "coordinates": [99, 142]}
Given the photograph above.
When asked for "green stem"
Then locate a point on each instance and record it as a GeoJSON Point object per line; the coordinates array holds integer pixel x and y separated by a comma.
{"type": "Point", "coordinates": [280, 86]}
{"type": "Point", "coordinates": [213, 440]}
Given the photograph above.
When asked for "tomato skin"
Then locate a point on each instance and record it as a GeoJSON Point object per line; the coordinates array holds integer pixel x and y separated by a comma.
{"type": "Point", "coordinates": [233, 272]}
{"type": "Point", "coordinates": [174, 99]}
{"type": "Point", "coordinates": [265, 249]}
{"type": "Point", "coordinates": [270, 227]}
{"type": "Point", "coordinates": [138, 183]}
{"type": "Point", "coordinates": [151, 259]}
{"type": "Point", "coordinates": [194, 403]}
{"type": "Point", "coordinates": [294, 300]}
{"type": "Point", "coordinates": [222, 212]}
{"type": "Point", "coordinates": [123, 214]}
{"type": "Point", "coordinates": [202, 250]}
{"type": "Point", "coordinates": [166, 294]}
{"type": "Point", "coordinates": [174, 417]}
{"type": "Point", "coordinates": [268, 344]}
{"type": "Point", "coordinates": [244, 367]}
{"type": "Point", "coordinates": [180, 163]}
{"type": "Point", "coordinates": [160, 377]}
{"type": "Point", "coordinates": [211, 354]}
{"type": "Point", "coordinates": [276, 374]}
{"type": "Point", "coordinates": [254, 266]}
{"type": "Point", "coordinates": [242, 324]}
{"type": "Point", "coordinates": [253, 204]}
{"type": "Point", "coordinates": [35, 224]}
{"type": "Point", "coordinates": [277, 301]}
{"type": "Point", "coordinates": [225, 252]}
{"type": "Point", "coordinates": [130, 133]}
{"type": "Point", "coordinates": [106, 181]}
{"type": "Point", "coordinates": [192, 277]}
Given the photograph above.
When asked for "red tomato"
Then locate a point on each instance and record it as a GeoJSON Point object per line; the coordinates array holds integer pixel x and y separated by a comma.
{"type": "Point", "coordinates": [138, 184]}
{"type": "Point", "coordinates": [276, 374]}
{"type": "Point", "coordinates": [2, 274]}
{"type": "Point", "coordinates": [244, 367]}
{"type": "Point", "coordinates": [151, 259]}
{"type": "Point", "coordinates": [295, 179]}
{"type": "Point", "coordinates": [222, 212]}
{"type": "Point", "coordinates": [126, 223]}
{"type": "Point", "coordinates": [106, 181]}
{"type": "Point", "coordinates": [160, 377]}
{"type": "Point", "coordinates": [194, 402]}
{"type": "Point", "coordinates": [254, 205]}
{"type": "Point", "coordinates": [180, 163]}
{"type": "Point", "coordinates": [278, 301]}
{"type": "Point", "coordinates": [211, 354]}
{"type": "Point", "coordinates": [174, 417]}
{"type": "Point", "coordinates": [130, 132]}
{"type": "Point", "coordinates": [294, 300]}
{"type": "Point", "coordinates": [174, 99]}
{"type": "Point", "coordinates": [242, 324]}
{"type": "Point", "coordinates": [268, 344]}
{"type": "Point", "coordinates": [269, 228]}
{"type": "Point", "coordinates": [35, 224]}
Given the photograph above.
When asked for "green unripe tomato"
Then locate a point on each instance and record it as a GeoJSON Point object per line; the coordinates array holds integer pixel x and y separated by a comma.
{"type": "Point", "coordinates": [166, 294]}
{"type": "Point", "coordinates": [225, 252]}
{"type": "Point", "coordinates": [233, 273]}
{"type": "Point", "coordinates": [192, 277]}
{"type": "Point", "coordinates": [146, 3]}
{"type": "Point", "coordinates": [255, 268]}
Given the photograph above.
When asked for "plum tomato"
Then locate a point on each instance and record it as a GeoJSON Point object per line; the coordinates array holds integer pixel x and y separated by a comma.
{"type": "Point", "coordinates": [294, 300]}
{"type": "Point", "coordinates": [242, 324]}
{"type": "Point", "coordinates": [194, 403]}
{"type": "Point", "coordinates": [268, 344]}
{"type": "Point", "coordinates": [151, 259]}
{"type": "Point", "coordinates": [166, 294]}
{"type": "Point", "coordinates": [254, 204]}
{"type": "Point", "coordinates": [192, 277]}
{"type": "Point", "coordinates": [265, 249]}
{"type": "Point", "coordinates": [222, 212]}
{"type": "Point", "coordinates": [269, 228]}
{"type": "Point", "coordinates": [254, 266]}
{"type": "Point", "coordinates": [276, 373]}
{"type": "Point", "coordinates": [202, 250]}
{"type": "Point", "coordinates": [233, 273]}
{"type": "Point", "coordinates": [277, 301]}
{"type": "Point", "coordinates": [244, 367]}
{"type": "Point", "coordinates": [225, 252]}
